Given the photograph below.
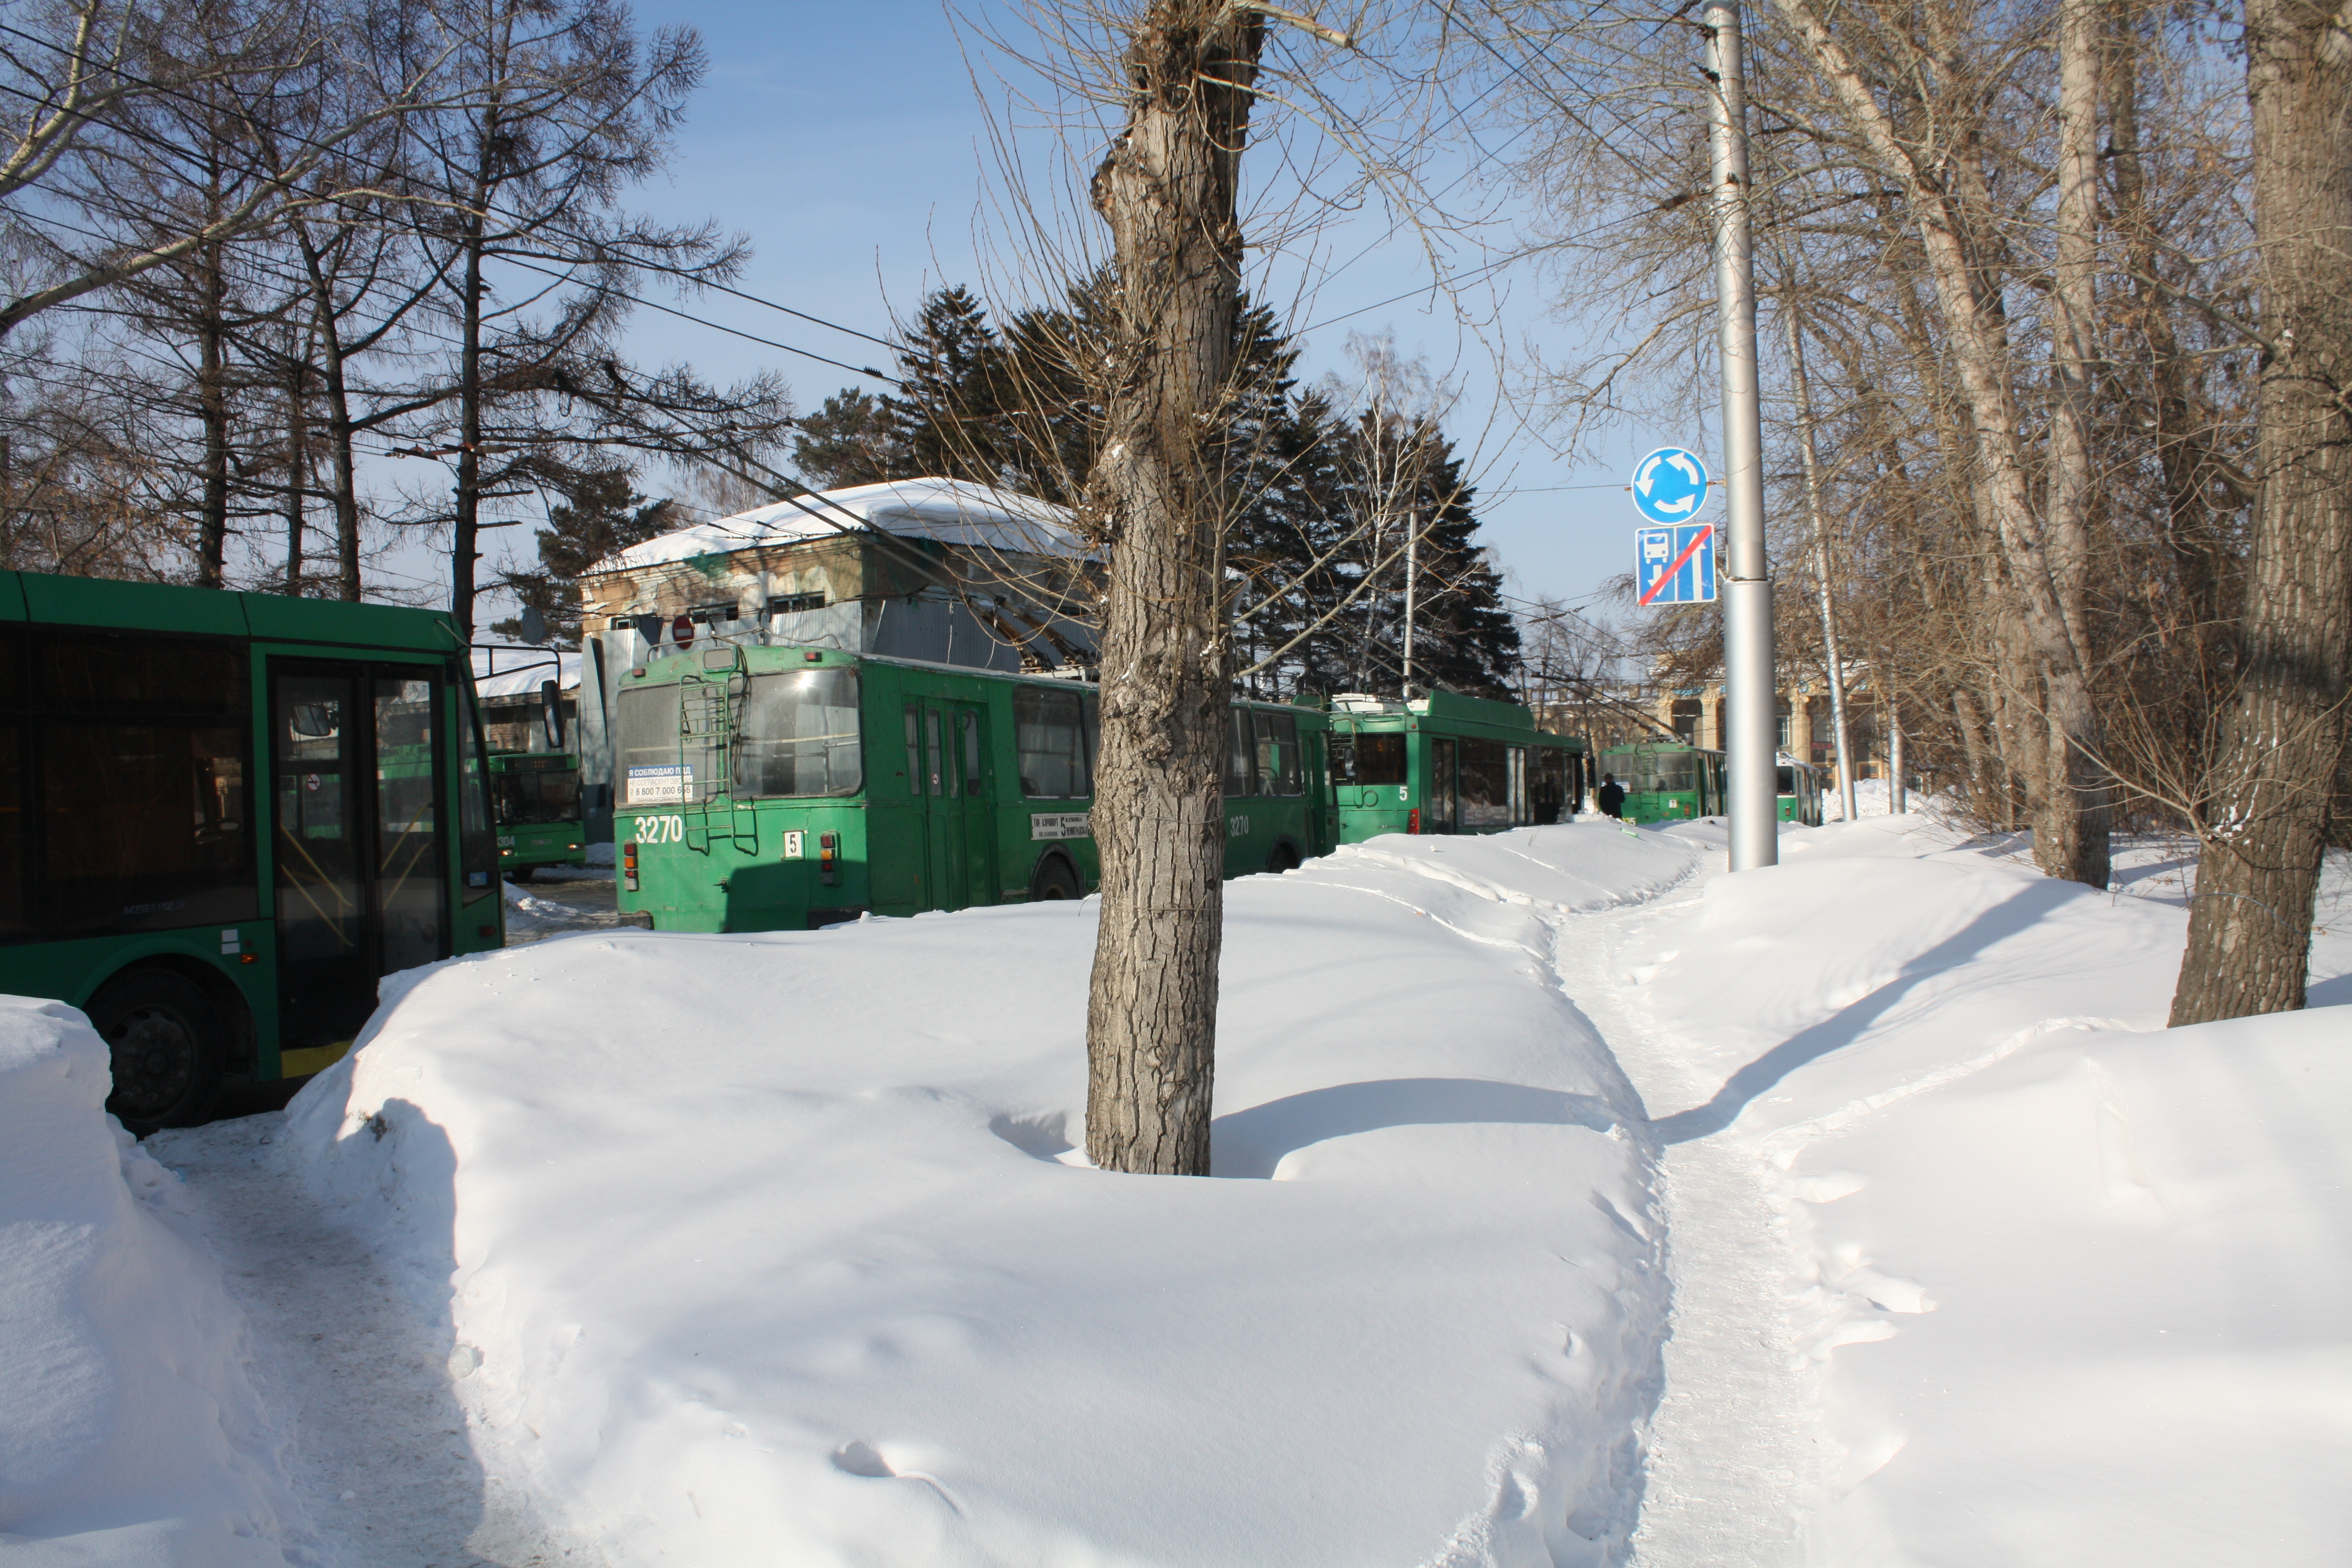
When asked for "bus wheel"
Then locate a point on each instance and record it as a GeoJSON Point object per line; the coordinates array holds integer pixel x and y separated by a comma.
{"type": "Point", "coordinates": [1054, 879]}
{"type": "Point", "coordinates": [521, 873]}
{"type": "Point", "coordinates": [1284, 859]}
{"type": "Point", "coordinates": [168, 1043]}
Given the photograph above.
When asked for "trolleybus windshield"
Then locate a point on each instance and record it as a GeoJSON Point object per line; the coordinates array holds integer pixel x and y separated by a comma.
{"type": "Point", "coordinates": [538, 795]}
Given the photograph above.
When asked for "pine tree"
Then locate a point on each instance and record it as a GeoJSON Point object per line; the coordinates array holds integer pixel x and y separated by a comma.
{"type": "Point", "coordinates": [949, 410]}
{"type": "Point", "coordinates": [853, 438]}
{"type": "Point", "coordinates": [601, 515]}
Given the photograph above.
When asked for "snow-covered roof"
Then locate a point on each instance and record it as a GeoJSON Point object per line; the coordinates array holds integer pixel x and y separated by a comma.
{"type": "Point", "coordinates": [956, 511]}
{"type": "Point", "coordinates": [520, 671]}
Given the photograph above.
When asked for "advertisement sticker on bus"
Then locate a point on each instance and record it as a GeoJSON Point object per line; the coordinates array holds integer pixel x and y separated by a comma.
{"type": "Point", "coordinates": [668, 784]}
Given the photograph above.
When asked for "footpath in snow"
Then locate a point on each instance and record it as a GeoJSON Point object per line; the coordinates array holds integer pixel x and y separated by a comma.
{"type": "Point", "coordinates": [1975, 1262]}
{"type": "Point", "coordinates": [626, 1246]}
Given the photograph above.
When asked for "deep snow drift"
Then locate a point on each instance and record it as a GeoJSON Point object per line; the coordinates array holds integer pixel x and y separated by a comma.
{"type": "Point", "coordinates": [625, 1246]}
{"type": "Point", "coordinates": [128, 1432]}
{"type": "Point", "coordinates": [773, 1247]}
{"type": "Point", "coordinates": [2063, 1287]}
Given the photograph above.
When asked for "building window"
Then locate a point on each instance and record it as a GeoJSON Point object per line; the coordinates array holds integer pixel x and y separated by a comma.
{"type": "Point", "coordinates": [793, 604]}
{"type": "Point", "coordinates": [713, 615]}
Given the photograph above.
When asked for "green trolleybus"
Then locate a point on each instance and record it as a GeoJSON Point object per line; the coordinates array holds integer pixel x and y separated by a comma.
{"type": "Point", "coordinates": [536, 797]}
{"type": "Point", "coordinates": [767, 788]}
{"type": "Point", "coordinates": [1666, 782]}
{"type": "Point", "coordinates": [225, 816]}
{"type": "Point", "coordinates": [1801, 785]}
{"type": "Point", "coordinates": [1447, 763]}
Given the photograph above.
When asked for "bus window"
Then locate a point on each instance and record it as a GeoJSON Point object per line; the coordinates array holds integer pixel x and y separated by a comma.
{"type": "Point", "coordinates": [1049, 733]}
{"type": "Point", "coordinates": [1238, 781]}
{"type": "Point", "coordinates": [1485, 783]}
{"type": "Point", "coordinates": [1787, 783]}
{"type": "Point", "coordinates": [537, 796]}
{"type": "Point", "coordinates": [407, 837]}
{"type": "Point", "coordinates": [12, 828]}
{"type": "Point", "coordinates": [971, 756]}
{"type": "Point", "coordinates": [98, 672]}
{"type": "Point", "coordinates": [1277, 754]}
{"type": "Point", "coordinates": [143, 827]}
{"type": "Point", "coordinates": [938, 765]}
{"type": "Point", "coordinates": [1362, 759]}
{"type": "Point", "coordinates": [914, 750]}
{"type": "Point", "coordinates": [656, 764]}
{"type": "Point", "coordinates": [800, 735]}
{"type": "Point", "coordinates": [478, 838]}
{"type": "Point", "coordinates": [1552, 791]}
{"type": "Point", "coordinates": [1438, 816]}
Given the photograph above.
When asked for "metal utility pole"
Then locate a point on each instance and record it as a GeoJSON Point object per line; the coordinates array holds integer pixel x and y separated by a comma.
{"type": "Point", "coordinates": [1811, 463]}
{"type": "Point", "coordinates": [1747, 592]}
{"type": "Point", "coordinates": [1412, 583]}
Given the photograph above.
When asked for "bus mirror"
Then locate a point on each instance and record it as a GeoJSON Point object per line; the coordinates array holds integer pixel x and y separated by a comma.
{"type": "Point", "coordinates": [552, 712]}
{"type": "Point", "coordinates": [534, 625]}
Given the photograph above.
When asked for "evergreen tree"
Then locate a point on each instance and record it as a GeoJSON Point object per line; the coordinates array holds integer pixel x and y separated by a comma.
{"type": "Point", "coordinates": [853, 438]}
{"type": "Point", "coordinates": [601, 515]}
{"type": "Point", "coordinates": [948, 412]}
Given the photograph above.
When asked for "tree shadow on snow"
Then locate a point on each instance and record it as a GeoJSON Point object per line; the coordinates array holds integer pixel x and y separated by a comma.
{"type": "Point", "coordinates": [2006, 919]}
{"type": "Point", "coordinates": [1251, 1143]}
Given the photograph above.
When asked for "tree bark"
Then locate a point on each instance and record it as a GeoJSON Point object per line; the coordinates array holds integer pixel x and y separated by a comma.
{"type": "Point", "coordinates": [2265, 828]}
{"type": "Point", "coordinates": [212, 417]}
{"type": "Point", "coordinates": [1978, 347]}
{"type": "Point", "coordinates": [1168, 189]}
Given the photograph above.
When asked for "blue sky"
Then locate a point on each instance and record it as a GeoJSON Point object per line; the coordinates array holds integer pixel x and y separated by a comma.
{"type": "Point", "coordinates": [849, 143]}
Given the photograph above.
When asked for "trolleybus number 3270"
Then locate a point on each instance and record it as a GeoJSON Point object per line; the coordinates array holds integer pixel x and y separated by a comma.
{"type": "Point", "coordinates": [672, 830]}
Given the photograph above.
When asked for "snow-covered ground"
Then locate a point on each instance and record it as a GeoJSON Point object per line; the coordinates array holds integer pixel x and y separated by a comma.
{"type": "Point", "coordinates": [625, 1246]}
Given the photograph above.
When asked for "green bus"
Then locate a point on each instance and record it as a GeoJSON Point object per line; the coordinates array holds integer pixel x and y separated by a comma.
{"type": "Point", "coordinates": [1801, 787]}
{"type": "Point", "coordinates": [1447, 763]}
{"type": "Point", "coordinates": [1664, 782]}
{"type": "Point", "coordinates": [535, 796]}
{"type": "Point", "coordinates": [226, 816]}
{"type": "Point", "coordinates": [778, 788]}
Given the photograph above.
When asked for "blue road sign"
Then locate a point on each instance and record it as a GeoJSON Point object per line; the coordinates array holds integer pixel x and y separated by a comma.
{"type": "Point", "coordinates": [1675, 565]}
{"type": "Point", "coordinates": [1670, 485]}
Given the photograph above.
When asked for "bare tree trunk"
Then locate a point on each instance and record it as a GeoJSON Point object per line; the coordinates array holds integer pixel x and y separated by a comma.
{"type": "Point", "coordinates": [1977, 345]}
{"type": "Point", "coordinates": [466, 515]}
{"type": "Point", "coordinates": [2264, 830]}
{"type": "Point", "coordinates": [1168, 191]}
{"type": "Point", "coordinates": [212, 415]}
{"type": "Point", "coordinates": [1834, 666]}
{"type": "Point", "coordinates": [298, 460]}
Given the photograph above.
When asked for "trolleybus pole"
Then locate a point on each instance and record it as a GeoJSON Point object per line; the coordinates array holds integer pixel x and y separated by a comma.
{"type": "Point", "coordinates": [1747, 593]}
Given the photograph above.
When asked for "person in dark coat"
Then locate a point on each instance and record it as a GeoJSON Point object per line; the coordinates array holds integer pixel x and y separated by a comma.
{"type": "Point", "coordinates": [1611, 797]}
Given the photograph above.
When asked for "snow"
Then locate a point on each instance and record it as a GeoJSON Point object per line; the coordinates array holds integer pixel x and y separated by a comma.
{"type": "Point", "coordinates": [2046, 1283]}
{"type": "Point", "coordinates": [956, 511]}
{"type": "Point", "coordinates": [622, 1245]}
{"type": "Point", "coordinates": [129, 1430]}
{"type": "Point", "coordinates": [757, 1249]}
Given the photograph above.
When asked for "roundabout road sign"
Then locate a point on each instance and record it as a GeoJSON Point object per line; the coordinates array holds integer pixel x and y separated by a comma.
{"type": "Point", "coordinates": [1670, 485]}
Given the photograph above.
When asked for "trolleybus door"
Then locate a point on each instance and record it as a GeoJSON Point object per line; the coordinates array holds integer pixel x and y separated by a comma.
{"type": "Point", "coordinates": [1440, 814]}
{"type": "Point", "coordinates": [359, 861]}
{"type": "Point", "coordinates": [958, 838]}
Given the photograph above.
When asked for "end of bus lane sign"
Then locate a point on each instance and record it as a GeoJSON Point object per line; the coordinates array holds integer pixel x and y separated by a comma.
{"type": "Point", "coordinates": [1675, 565]}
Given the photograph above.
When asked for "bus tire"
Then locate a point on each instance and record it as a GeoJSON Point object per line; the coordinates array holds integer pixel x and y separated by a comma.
{"type": "Point", "coordinates": [168, 1043]}
{"type": "Point", "coordinates": [1284, 857]}
{"type": "Point", "coordinates": [521, 873]}
{"type": "Point", "coordinates": [1054, 880]}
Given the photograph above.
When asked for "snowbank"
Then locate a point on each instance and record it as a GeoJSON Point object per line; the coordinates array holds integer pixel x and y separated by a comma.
{"type": "Point", "coordinates": [128, 1431]}
{"type": "Point", "coordinates": [768, 1249]}
{"type": "Point", "coordinates": [2071, 1285]}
